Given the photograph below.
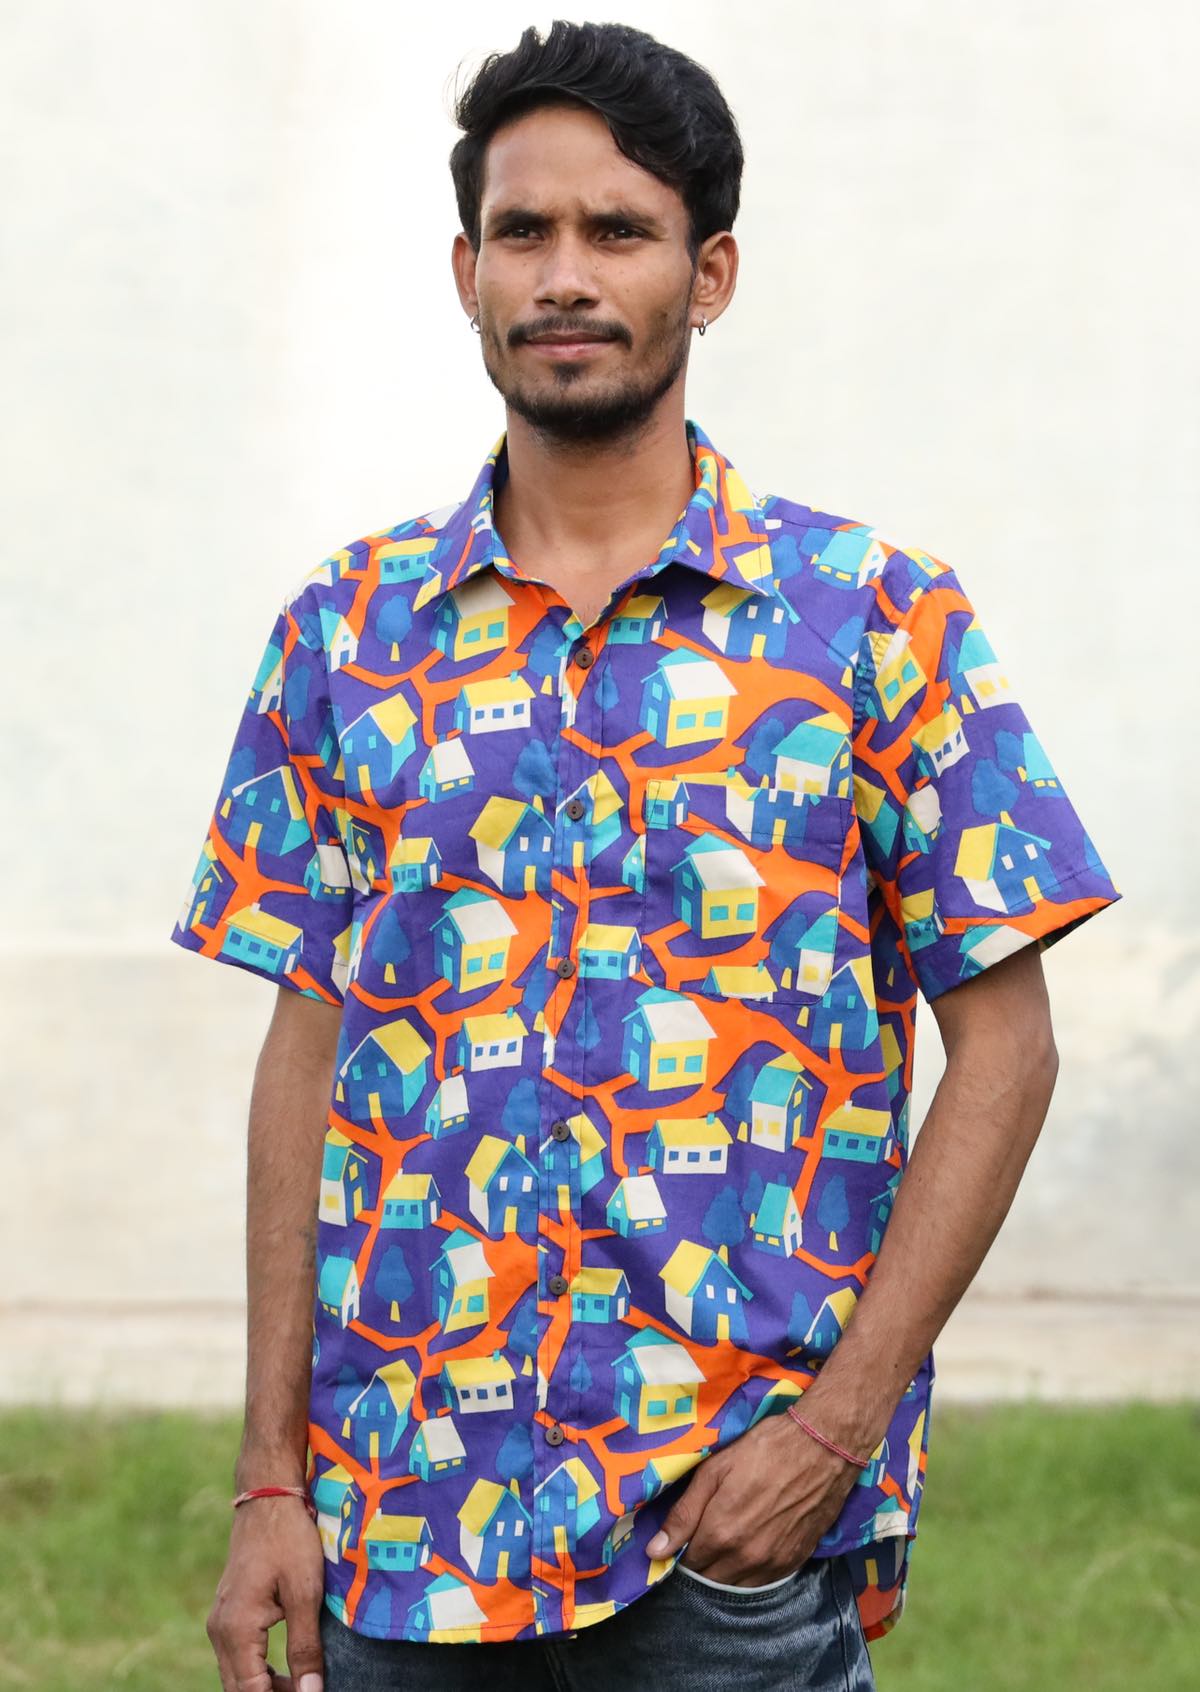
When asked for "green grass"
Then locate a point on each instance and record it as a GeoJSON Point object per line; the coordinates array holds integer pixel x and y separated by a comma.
{"type": "Point", "coordinates": [1058, 1549]}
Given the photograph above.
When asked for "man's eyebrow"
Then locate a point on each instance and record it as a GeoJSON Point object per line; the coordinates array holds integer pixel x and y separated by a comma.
{"type": "Point", "coordinates": [612, 219]}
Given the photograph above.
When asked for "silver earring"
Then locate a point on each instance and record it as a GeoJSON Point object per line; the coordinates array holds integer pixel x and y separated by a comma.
{"type": "Point", "coordinates": [475, 324]}
{"type": "Point", "coordinates": [703, 325]}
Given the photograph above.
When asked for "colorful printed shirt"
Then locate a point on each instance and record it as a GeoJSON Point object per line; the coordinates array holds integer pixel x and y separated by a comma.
{"type": "Point", "coordinates": [628, 924]}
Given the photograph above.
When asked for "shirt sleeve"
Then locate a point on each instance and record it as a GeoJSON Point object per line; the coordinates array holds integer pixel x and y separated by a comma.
{"type": "Point", "coordinates": [967, 829]}
{"type": "Point", "coordinates": [272, 889]}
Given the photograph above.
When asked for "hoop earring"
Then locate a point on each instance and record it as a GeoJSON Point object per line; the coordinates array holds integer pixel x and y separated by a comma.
{"type": "Point", "coordinates": [475, 324]}
{"type": "Point", "coordinates": [703, 325]}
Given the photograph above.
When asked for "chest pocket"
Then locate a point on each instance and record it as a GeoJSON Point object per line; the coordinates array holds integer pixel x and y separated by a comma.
{"type": "Point", "coordinates": [743, 888]}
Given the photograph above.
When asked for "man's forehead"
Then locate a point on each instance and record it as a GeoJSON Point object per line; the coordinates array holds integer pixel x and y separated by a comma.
{"type": "Point", "coordinates": [525, 168]}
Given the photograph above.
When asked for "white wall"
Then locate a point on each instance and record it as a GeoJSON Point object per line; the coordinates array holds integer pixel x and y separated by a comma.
{"type": "Point", "coordinates": [966, 314]}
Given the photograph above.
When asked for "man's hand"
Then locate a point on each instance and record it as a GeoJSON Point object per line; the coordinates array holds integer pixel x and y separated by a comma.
{"type": "Point", "coordinates": [274, 1572]}
{"type": "Point", "coordinates": [754, 1511]}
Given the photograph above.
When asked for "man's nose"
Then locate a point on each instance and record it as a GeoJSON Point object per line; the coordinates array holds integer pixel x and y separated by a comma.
{"type": "Point", "coordinates": [567, 277]}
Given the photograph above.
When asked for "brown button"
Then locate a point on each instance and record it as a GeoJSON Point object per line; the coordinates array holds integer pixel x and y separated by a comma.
{"type": "Point", "coordinates": [575, 809]}
{"type": "Point", "coordinates": [583, 657]}
{"type": "Point", "coordinates": [558, 1284]}
{"type": "Point", "coordinates": [555, 1435]}
{"type": "Point", "coordinates": [561, 1130]}
{"type": "Point", "coordinates": [564, 967]}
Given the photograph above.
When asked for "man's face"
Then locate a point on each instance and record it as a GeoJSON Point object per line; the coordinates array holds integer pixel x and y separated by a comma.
{"type": "Point", "coordinates": [580, 244]}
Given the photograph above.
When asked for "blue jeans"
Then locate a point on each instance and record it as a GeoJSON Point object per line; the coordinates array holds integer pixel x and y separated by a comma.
{"type": "Point", "coordinates": [802, 1634]}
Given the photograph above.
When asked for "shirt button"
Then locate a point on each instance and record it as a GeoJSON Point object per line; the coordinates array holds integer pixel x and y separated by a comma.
{"type": "Point", "coordinates": [555, 1435]}
{"type": "Point", "coordinates": [564, 967]}
{"type": "Point", "coordinates": [558, 1284]}
{"type": "Point", "coordinates": [561, 1130]}
{"type": "Point", "coordinates": [583, 657]}
{"type": "Point", "coordinates": [575, 809]}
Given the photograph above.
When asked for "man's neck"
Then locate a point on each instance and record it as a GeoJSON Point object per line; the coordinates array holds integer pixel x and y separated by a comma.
{"type": "Point", "coordinates": [593, 511]}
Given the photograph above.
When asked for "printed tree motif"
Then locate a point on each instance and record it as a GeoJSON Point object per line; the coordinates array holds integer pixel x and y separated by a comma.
{"type": "Point", "coordinates": [514, 1460]}
{"type": "Point", "coordinates": [991, 791]}
{"type": "Point", "coordinates": [522, 1336]}
{"type": "Point", "coordinates": [393, 623]}
{"type": "Point", "coordinates": [587, 1032]}
{"type": "Point", "coordinates": [347, 1389]}
{"type": "Point", "coordinates": [581, 1375]}
{"type": "Point", "coordinates": [607, 693]}
{"type": "Point", "coordinates": [389, 942]}
{"type": "Point", "coordinates": [520, 1113]}
{"type": "Point", "coordinates": [1010, 750]}
{"type": "Point", "coordinates": [533, 773]}
{"type": "Point", "coordinates": [760, 754]}
{"type": "Point", "coordinates": [752, 1197]}
{"type": "Point", "coordinates": [737, 1093]}
{"type": "Point", "coordinates": [393, 1281]}
{"type": "Point", "coordinates": [735, 1421]}
{"type": "Point", "coordinates": [546, 650]}
{"type": "Point", "coordinates": [295, 692]}
{"type": "Point", "coordinates": [799, 1322]}
{"type": "Point", "coordinates": [724, 1224]}
{"type": "Point", "coordinates": [833, 1212]}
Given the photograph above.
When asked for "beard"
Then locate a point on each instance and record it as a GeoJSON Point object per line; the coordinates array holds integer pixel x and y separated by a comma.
{"type": "Point", "coordinates": [574, 407]}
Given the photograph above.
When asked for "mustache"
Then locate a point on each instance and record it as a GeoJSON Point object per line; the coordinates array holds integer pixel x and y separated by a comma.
{"type": "Point", "coordinates": [521, 332]}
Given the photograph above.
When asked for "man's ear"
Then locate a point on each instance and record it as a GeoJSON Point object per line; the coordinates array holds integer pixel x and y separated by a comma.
{"type": "Point", "coordinates": [462, 261]}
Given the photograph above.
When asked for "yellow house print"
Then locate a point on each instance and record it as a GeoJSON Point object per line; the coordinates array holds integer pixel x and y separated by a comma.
{"type": "Point", "coordinates": [477, 613]}
{"type": "Point", "coordinates": [658, 1383]}
{"type": "Point", "coordinates": [409, 1535]}
{"type": "Point", "coordinates": [698, 695]}
{"type": "Point", "coordinates": [898, 675]}
{"type": "Point", "coordinates": [679, 1036]}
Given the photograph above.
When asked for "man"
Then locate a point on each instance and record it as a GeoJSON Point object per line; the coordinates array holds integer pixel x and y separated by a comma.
{"type": "Point", "coordinates": [600, 832]}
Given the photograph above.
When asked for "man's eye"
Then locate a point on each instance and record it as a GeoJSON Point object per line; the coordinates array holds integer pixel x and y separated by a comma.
{"type": "Point", "coordinates": [624, 229]}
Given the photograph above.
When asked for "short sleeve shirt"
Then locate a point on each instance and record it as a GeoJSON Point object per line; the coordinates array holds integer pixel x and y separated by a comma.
{"type": "Point", "coordinates": [628, 925]}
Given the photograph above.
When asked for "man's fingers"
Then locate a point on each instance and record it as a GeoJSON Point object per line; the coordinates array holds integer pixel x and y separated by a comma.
{"type": "Point", "coordinates": [302, 1599]}
{"type": "Point", "coordinates": [683, 1518]}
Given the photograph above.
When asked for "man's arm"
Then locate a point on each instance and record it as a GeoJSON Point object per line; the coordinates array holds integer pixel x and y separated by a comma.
{"type": "Point", "coordinates": [288, 1106]}
{"type": "Point", "coordinates": [962, 1175]}
{"type": "Point", "coordinates": [274, 1570]}
{"type": "Point", "coordinates": [756, 1508]}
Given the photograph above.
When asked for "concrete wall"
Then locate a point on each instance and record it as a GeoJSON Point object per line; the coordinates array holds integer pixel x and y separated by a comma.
{"type": "Point", "coordinates": [234, 345]}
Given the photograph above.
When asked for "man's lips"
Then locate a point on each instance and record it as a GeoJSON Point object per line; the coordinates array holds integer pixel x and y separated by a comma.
{"type": "Point", "coordinates": [567, 346]}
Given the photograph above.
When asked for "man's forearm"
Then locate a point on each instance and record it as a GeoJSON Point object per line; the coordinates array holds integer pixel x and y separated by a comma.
{"type": "Point", "coordinates": [964, 1169]}
{"type": "Point", "coordinates": [288, 1109]}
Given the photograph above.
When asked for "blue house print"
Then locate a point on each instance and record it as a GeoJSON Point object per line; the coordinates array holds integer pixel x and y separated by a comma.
{"type": "Point", "coordinates": [436, 1451]}
{"type": "Point", "coordinates": [599, 1295]}
{"type": "Point", "coordinates": [375, 1420]}
{"type": "Point", "coordinates": [378, 743]}
{"type": "Point", "coordinates": [267, 812]}
{"type": "Point", "coordinates": [385, 1073]}
{"type": "Point", "coordinates": [410, 1201]}
{"type": "Point", "coordinates": [744, 624]}
{"type": "Point", "coordinates": [570, 1497]}
{"type": "Point", "coordinates": [845, 1018]}
{"type": "Point", "coordinates": [643, 619]}
{"type": "Point", "coordinates": [447, 770]}
{"type": "Point", "coordinates": [494, 1535]}
{"type": "Point", "coordinates": [397, 1542]}
{"type": "Point", "coordinates": [635, 1207]}
{"type": "Point", "coordinates": [703, 1295]}
{"type": "Point", "coordinates": [447, 1111]}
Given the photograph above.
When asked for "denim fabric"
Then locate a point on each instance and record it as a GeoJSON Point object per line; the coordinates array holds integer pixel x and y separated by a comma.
{"type": "Point", "coordinates": [802, 1634]}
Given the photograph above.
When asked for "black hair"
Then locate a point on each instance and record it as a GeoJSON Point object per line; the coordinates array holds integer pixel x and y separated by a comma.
{"type": "Point", "coordinates": [665, 112]}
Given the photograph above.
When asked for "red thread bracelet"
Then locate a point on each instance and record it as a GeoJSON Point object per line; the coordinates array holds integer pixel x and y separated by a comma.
{"type": "Point", "coordinates": [279, 1492]}
{"type": "Point", "coordinates": [859, 1462]}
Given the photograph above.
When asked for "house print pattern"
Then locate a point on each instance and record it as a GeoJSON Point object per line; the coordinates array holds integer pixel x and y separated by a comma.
{"type": "Point", "coordinates": [628, 924]}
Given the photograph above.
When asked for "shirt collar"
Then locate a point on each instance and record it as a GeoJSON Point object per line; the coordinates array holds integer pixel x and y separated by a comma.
{"type": "Point", "coordinates": [721, 532]}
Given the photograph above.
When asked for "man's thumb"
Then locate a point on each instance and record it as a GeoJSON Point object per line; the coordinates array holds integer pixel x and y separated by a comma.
{"type": "Point", "coordinates": [682, 1518]}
